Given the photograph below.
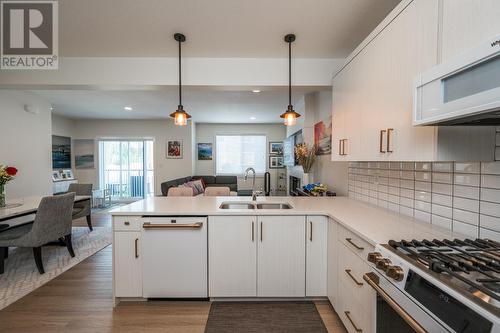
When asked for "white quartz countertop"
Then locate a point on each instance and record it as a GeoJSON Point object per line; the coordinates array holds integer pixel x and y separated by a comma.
{"type": "Point", "coordinates": [375, 225]}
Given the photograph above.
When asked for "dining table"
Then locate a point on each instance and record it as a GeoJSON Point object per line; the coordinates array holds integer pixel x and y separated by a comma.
{"type": "Point", "coordinates": [23, 210]}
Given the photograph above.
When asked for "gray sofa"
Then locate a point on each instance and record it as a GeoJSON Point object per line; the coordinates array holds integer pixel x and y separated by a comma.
{"type": "Point", "coordinates": [210, 181]}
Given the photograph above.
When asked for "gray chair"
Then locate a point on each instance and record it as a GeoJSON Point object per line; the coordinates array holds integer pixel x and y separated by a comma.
{"type": "Point", "coordinates": [52, 222]}
{"type": "Point", "coordinates": [84, 208]}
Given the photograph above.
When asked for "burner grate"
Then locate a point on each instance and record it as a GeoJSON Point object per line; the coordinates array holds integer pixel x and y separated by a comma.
{"type": "Point", "coordinates": [475, 263]}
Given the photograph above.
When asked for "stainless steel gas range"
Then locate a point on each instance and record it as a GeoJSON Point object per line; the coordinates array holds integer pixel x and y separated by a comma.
{"type": "Point", "coordinates": [436, 286]}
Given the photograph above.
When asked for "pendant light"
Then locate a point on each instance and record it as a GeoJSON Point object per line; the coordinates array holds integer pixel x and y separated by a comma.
{"type": "Point", "coordinates": [290, 116]}
{"type": "Point", "coordinates": [180, 116]}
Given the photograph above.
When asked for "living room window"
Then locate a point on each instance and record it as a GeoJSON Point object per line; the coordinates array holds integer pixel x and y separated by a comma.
{"type": "Point", "coordinates": [235, 153]}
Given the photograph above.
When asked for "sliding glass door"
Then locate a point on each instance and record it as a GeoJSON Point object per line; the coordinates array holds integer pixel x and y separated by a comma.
{"type": "Point", "coordinates": [126, 168]}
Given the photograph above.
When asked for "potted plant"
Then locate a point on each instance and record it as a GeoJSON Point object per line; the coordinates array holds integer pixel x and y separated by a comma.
{"type": "Point", "coordinates": [306, 156]}
{"type": "Point", "coordinates": [7, 173]}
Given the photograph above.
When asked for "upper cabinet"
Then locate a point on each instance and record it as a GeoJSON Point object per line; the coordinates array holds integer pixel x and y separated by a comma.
{"type": "Point", "coordinates": [373, 92]}
{"type": "Point", "coordinates": [466, 23]}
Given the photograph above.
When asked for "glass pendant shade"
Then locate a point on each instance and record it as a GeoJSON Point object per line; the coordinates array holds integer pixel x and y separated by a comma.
{"type": "Point", "coordinates": [290, 116]}
{"type": "Point", "coordinates": [180, 116]}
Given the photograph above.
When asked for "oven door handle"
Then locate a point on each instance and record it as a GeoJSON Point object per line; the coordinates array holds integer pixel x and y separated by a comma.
{"type": "Point", "coordinates": [372, 280]}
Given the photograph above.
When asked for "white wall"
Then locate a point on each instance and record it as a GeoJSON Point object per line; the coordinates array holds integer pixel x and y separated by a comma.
{"type": "Point", "coordinates": [316, 107]}
{"type": "Point", "coordinates": [25, 143]}
{"type": "Point", "coordinates": [158, 130]}
{"type": "Point", "coordinates": [205, 133]}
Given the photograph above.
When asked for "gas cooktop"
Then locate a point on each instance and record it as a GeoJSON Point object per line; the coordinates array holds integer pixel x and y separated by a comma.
{"type": "Point", "coordinates": [472, 267]}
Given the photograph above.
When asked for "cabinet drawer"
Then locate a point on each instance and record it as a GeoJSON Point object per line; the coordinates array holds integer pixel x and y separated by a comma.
{"type": "Point", "coordinates": [356, 316]}
{"type": "Point", "coordinates": [351, 271]}
{"type": "Point", "coordinates": [127, 223]}
{"type": "Point", "coordinates": [355, 243]}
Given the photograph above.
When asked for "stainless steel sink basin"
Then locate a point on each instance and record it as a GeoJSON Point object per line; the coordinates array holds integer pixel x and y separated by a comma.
{"type": "Point", "coordinates": [236, 205]}
{"type": "Point", "coordinates": [274, 206]}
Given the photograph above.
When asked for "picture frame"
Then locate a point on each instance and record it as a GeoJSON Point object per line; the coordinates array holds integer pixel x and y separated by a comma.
{"type": "Point", "coordinates": [174, 149]}
{"type": "Point", "coordinates": [276, 162]}
{"type": "Point", "coordinates": [84, 153]}
{"type": "Point", "coordinates": [276, 148]}
{"type": "Point", "coordinates": [56, 175]}
{"type": "Point", "coordinates": [323, 136]}
{"type": "Point", "coordinates": [205, 151]}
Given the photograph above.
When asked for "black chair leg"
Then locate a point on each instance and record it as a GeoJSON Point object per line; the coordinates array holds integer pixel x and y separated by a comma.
{"type": "Point", "coordinates": [2, 258]}
{"type": "Point", "coordinates": [89, 222]}
{"type": "Point", "coordinates": [5, 252]}
{"type": "Point", "coordinates": [37, 252]}
{"type": "Point", "coordinates": [69, 245]}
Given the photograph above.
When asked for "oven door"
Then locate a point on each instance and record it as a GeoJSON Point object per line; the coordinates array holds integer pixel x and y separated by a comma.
{"type": "Point", "coordinates": [395, 312]}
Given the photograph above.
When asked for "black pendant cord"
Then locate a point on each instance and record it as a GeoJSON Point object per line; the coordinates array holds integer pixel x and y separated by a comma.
{"type": "Point", "coordinates": [180, 75]}
{"type": "Point", "coordinates": [289, 73]}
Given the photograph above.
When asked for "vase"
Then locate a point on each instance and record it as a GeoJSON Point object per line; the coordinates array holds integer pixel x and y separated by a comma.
{"type": "Point", "coordinates": [307, 178]}
{"type": "Point", "coordinates": [2, 195]}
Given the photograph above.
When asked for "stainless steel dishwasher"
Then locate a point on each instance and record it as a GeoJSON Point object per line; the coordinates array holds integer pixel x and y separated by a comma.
{"type": "Point", "coordinates": [175, 257]}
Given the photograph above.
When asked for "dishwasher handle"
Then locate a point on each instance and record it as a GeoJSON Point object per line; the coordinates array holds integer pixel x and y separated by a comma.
{"type": "Point", "coordinates": [149, 225]}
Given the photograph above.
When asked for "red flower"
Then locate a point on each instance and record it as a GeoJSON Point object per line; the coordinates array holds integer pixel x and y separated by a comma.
{"type": "Point", "coordinates": [11, 171]}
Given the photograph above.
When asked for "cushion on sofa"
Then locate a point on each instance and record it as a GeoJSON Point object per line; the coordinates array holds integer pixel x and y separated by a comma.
{"type": "Point", "coordinates": [226, 180]}
{"type": "Point", "coordinates": [207, 179]}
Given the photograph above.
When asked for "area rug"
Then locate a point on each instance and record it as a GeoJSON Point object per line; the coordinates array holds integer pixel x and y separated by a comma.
{"type": "Point", "coordinates": [21, 275]}
{"type": "Point", "coordinates": [263, 317]}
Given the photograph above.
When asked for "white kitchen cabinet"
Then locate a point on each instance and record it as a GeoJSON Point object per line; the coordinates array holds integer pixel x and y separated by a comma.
{"type": "Point", "coordinates": [127, 264]}
{"type": "Point", "coordinates": [281, 256]}
{"type": "Point", "coordinates": [373, 93]}
{"type": "Point", "coordinates": [316, 255]}
{"type": "Point", "coordinates": [232, 253]}
{"type": "Point", "coordinates": [467, 23]}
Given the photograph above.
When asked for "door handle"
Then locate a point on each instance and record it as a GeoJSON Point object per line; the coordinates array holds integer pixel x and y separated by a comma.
{"type": "Point", "coordinates": [136, 248]}
{"type": "Point", "coordinates": [253, 231]}
{"type": "Point", "coordinates": [348, 271]}
{"type": "Point", "coordinates": [389, 131]}
{"type": "Point", "coordinates": [354, 244]}
{"type": "Point", "coordinates": [148, 225]}
{"type": "Point", "coordinates": [381, 145]}
{"type": "Point", "coordinates": [372, 279]}
{"type": "Point", "coordinates": [311, 232]}
{"type": "Point", "coordinates": [348, 315]}
{"type": "Point", "coordinates": [261, 232]}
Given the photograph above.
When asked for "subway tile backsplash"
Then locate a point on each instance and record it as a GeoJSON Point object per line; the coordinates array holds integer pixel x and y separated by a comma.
{"type": "Point", "coordinates": [464, 197]}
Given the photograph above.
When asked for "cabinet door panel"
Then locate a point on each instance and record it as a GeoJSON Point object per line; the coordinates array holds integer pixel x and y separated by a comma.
{"type": "Point", "coordinates": [232, 256]}
{"type": "Point", "coordinates": [281, 256]}
{"type": "Point", "coordinates": [127, 264]}
{"type": "Point", "coordinates": [316, 255]}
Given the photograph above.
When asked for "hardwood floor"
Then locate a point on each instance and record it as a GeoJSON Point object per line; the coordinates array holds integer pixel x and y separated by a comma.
{"type": "Point", "coordinates": [79, 300]}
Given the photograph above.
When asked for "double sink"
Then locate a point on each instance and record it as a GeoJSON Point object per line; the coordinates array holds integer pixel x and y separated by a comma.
{"type": "Point", "coordinates": [249, 205]}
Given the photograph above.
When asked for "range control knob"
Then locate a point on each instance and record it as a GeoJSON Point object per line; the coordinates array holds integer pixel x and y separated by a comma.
{"type": "Point", "coordinates": [383, 264]}
{"type": "Point", "coordinates": [374, 257]}
{"type": "Point", "coordinates": [395, 272]}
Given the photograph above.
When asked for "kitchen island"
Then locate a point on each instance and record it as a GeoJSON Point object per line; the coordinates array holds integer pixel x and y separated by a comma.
{"type": "Point", "coordinates": [271, 248]}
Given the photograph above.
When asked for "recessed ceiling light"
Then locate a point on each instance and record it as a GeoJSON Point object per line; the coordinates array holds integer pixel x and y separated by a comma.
{"type": "Point", "coordinates": [252, 118]}
{"type": "Point", "coordinates": [256, 91]}
{"type": "Point", "coordinates": [127, 108]}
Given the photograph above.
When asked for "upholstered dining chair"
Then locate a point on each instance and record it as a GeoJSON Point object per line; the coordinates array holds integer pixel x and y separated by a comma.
{"type": "Point", "coordinates": [180, 192]}
{"type": "Point", "coordinates": [217, 191]}
{"type": "Point", "coordinates": [52, 222]}
{"type": "Point", "coordinates": [83, 208]}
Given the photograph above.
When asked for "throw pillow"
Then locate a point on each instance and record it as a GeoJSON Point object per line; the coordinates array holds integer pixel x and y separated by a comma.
{"type": "Point", "coordinates": [199, 185]}
{"type": "Point", "coordinates": [202, 182]}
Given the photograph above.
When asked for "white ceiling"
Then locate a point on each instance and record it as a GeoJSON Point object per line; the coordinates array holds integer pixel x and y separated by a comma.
{"type": "Point", "coordinates": [206, 106]}
{"type": "Point", "coordinates": [216, 28]}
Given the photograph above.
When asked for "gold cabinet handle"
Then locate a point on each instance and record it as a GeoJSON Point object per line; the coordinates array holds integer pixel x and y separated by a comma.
{"type": "Point", "coordinates": [340, 147]}
{"type": "Point", "coordinates": [136, 248]}
{"type": "Point", "coordinates": [354, 244]}
{"type": "Point", "coordinates": [311, 231]}
{"type": "Point", "coordinates": [343, 147]}
{"type": "Point", "coordinates": [261, 232]}
{"type": "Point", "coordinates": [348, 271]}
{"type": "Point", "coordinates": [389, 131]}
{"type": "Point", "coordinates": [372, 279]}
{"type": "Point", "coordinates": [253, 231]}
{"type": "Point", "coordinates": [148, 225]}
{"type": "Point", "coordinates": [382, 141]}
{"type": "Point", "coordinates": [348, 315]}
